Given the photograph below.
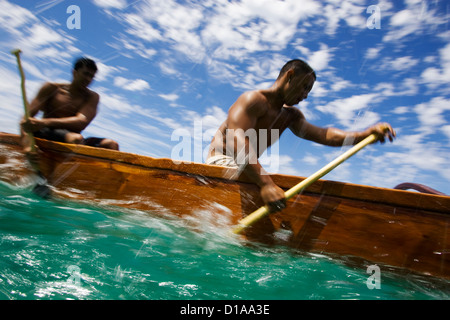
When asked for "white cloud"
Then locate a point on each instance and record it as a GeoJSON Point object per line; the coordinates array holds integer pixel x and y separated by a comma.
{"type": "Point", "coordinates": [236, 29]}
{"type": "Point", "coordinates": [350, 12]}
{"type": "Point", "coordinates": [104, 71]}
{"type": "Point", "coordinates": [115, 103]}
{"type": "Point", "coordinates": [13, 17]}
{"type": "Point", "coordinates": [219, 30]}
{"type": "Point", "coordinates": [353, 113]}
{"type": "Point", "coordinates": [41, 35]}
{"type": "Point", "coordinates": [434, 77]}
{"type": "Point", "coordinates": [116, 4]}
{"type": "Point", "coordinates": [373, 53]}
{"type": "Point", "coordinates": [417, 18]}
{"type": "Point", "coordinates": [319, 89]}
{"type": "Point", "coordinates": [432, 114]}
{"type": "Point", "coordinates": [339, 84]}
{"type": "Point", "coordinates": [310, 159]}
{"type": "Point", "coordinates": [445, 36]}
{"type": "Point", "coordinates": [446, 131]}
{"type": "Point", "coordinates": [131, 85]}
{"type": "Point", "coordinates": [169, 22]}
{"type": "Point", "coordinates": [307, 112]}
{"type": "Point", "coordinates": [401, 110]}
{"type": "Point", "coordinates": [320, 59]}
{"type": "Point", "coordinates": [37, 38]}
{"type": "Point", "coordinates": [402, 18]}
{"type": "Point", "coordinates": [409, 26]}
{"type": "Point", "coordinates": [137, 85]}
{"type": "Point", "coordinates": [169, 97]}
{"type": "Point", "coordinates": [142, 29]}
{"type": "Point", "coordinates": [400, 63]}
{"type": "Point", "coordinates": [260, 73]}
{"type": "Point", "coordinates": [119, 107]}
{"type": "Point", "coordinates": [133, 47]}
{"type": "Point", "coordinates": [408, 87]}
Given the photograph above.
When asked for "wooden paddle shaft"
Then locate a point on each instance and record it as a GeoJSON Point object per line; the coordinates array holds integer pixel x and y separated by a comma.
{"type": "Point", "coordinates": [263, 211]}
{"type": "Point", "coordinates": [24, 94]}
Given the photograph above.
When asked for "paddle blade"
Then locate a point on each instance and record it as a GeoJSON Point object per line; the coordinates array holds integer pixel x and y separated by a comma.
{"type": "Point", "coordinates": [42, 189]}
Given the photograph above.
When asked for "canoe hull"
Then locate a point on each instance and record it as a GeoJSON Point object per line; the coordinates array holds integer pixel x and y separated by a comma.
{"type": "Point", "coordinates": [406, 230]}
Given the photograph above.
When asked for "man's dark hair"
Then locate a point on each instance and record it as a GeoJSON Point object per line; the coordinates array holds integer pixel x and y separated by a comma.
{"type": "Point", "coordinates": [83, 61]}
{"type": "Point", "coordinates": [299, 66]}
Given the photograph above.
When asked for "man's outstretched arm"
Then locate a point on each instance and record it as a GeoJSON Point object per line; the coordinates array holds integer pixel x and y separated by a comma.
{"type": "Point", "coordinates": [336, 137]}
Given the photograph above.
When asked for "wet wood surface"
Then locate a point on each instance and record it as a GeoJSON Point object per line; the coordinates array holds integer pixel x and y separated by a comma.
{"type": "Point", "coordinates": [403, 229]}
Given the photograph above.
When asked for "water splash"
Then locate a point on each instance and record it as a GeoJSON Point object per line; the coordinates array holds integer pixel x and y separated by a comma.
{"type": "Point", "coordinates": [134, 254]}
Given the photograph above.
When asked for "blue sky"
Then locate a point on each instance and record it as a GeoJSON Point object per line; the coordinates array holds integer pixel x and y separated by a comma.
{"type": "Point", "coordinates": [171, 68]}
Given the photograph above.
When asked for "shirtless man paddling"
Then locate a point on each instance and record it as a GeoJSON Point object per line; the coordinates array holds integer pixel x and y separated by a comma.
{"type": "Point", "coordinates": [67, 110]}
{"type": "Point", "coordinates": [263, 111]}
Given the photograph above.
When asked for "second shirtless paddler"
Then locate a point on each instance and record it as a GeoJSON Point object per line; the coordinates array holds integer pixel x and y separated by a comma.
{"type": "Point", "coordinates": [67, 110]}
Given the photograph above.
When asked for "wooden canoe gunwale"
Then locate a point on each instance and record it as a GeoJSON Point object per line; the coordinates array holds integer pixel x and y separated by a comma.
{"type": "Point", "coordinates": [404, 198]}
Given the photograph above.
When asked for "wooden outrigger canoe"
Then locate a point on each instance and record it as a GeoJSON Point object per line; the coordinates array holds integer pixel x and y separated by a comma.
{"type": "Point", "coordinates": [406, 230]}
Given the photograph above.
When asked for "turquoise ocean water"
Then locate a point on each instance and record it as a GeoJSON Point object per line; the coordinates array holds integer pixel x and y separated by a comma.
{"type": "Point", "coordinates": [58, 250]}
